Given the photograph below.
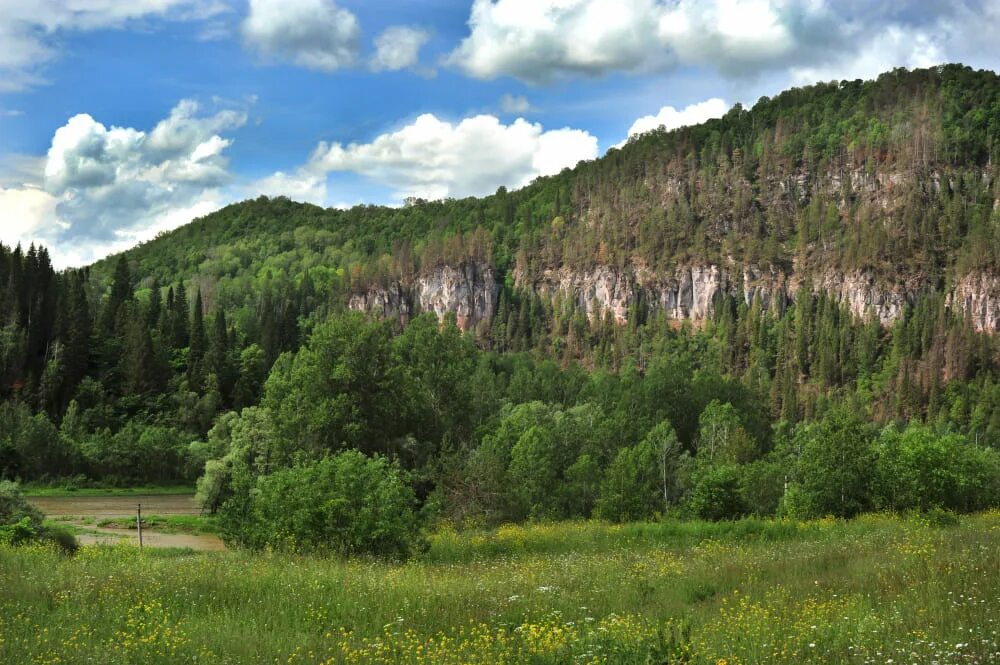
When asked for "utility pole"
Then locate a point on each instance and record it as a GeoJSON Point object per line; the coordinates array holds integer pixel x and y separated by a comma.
{"type": "Point", "coordinates": [138, 525]}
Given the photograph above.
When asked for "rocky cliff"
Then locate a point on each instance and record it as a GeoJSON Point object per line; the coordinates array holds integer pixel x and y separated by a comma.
{"type": "Point", "coordinates": [468, 290]}
{"type": "Point", "coordinates": [688, 293]}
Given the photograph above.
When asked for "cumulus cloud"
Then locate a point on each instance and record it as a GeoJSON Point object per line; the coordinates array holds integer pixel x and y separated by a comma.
{"type": "Point", "coordinates": [101, 189]}
{"type": "Point", "coordinates": [541, 40]}
{"type": "Point", "coordinates": [514, 104]}
{"type": "Point", "coordinates": [28, 28]}
{"type": "Point", "coordinates": [536, 40]}
{"type": "Point", "coordinates": [301, 185]}
{"type": "Point", "coordinates": [432, 158]}
{"type": "Point", "coordinates": [398, 47]}
{"type": "Point", "coordinates": [312, 33]}
{"type": "Point", "coordinates": [670, 118]}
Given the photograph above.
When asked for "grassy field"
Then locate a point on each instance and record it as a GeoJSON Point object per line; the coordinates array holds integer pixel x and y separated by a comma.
{"type": "Point", "coordinates": [873, 590]}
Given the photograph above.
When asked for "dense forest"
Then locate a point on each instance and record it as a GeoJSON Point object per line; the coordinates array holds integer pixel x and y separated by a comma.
{"type": "Point", "coordinates": [225, 350]}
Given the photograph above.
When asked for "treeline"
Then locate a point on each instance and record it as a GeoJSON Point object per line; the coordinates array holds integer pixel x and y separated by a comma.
{"type": "Point", "coordinates": [447, 432]}
{"type": "Point", "coordinates": [114, 389]}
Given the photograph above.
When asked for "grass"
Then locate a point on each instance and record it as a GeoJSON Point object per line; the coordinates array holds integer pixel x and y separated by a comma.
{"type": "Point", "coordinates": [870, 590]}
{"type": "Point", "coordinates": [64, 489]}
{"type": "Point", "coordinates": [190, 524]}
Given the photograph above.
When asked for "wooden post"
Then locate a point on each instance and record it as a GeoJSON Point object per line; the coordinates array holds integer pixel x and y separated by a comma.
{"type": "Point", "coordinates": [138, 524]}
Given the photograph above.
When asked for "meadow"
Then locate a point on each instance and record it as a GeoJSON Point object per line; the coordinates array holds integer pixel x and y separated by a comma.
{"type": "Point", "coordinates": [876, 589]}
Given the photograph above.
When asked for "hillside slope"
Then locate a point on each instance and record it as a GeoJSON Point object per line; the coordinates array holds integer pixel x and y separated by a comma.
{"type": "Point", "coordinates": [878, 192]}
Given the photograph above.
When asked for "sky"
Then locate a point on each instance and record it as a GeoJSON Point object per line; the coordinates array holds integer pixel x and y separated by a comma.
{"type": "Point", "coordinates": [120, 120]}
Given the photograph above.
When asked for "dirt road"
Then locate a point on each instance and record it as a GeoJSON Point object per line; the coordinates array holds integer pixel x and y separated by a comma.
{"type": "Point", "coordinates": [76, 511]}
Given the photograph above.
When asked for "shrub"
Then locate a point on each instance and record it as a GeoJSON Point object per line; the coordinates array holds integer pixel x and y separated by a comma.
{"type": "Point", "coordinates": [921, 469]}
{"type": "Point", "coordinates": [20, 522]}
{"type": "Point", "coordinates": [347, 504]}
{"type": "Point", "coordinates": [715, 493]}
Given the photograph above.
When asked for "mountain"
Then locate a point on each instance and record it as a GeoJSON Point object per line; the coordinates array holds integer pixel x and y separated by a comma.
{"type": "Point", "coordinates": [834, 245]}
{"type": "Point", "coordinates": [879, 193]}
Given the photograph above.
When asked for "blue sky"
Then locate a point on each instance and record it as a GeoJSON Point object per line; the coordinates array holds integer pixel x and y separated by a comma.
{"type": "Point", "coordinates": [119, 120]}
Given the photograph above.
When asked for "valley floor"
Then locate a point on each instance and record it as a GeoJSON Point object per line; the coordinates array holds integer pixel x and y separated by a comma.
{"type": "Point", "coordinates": [877, 589]}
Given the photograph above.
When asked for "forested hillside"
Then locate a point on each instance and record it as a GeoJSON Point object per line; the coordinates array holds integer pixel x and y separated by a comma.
{"type": "Point", "coordinates": [712, 319]}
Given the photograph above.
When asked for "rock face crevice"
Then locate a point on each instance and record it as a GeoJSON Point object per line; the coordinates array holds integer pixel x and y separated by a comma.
{"type": "Point", "coordinates": [470, 291]}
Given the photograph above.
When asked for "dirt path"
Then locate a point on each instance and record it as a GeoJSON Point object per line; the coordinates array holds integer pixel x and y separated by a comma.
{"type": "Point", "coordinates": [72, 510]}
{"type": "Point", "coordinates": [116, 506]}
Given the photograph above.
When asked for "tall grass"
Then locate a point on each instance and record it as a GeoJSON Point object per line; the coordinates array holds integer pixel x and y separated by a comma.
{"type": "Point", "coordinates": [862, 591]}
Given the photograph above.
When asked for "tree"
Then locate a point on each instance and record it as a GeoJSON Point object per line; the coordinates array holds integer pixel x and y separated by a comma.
{"type": "Point", "coordinates": [340, 391]}
{"type": "Point", "coordinates": [642, 479]}
{"type": "Point", "coordinates": [198, 345]}
{"type": "Point", "coordinates": [835, 469]}
{"type": "Point", "coordinates": [722, 437]}
{"type": "Point", "coordinates": [121, 293]}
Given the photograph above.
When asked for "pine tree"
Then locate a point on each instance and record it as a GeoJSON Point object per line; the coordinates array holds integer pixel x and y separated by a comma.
{"type": "Point", "coordinates": [198, 346]}
{"type": "Point", "coordinates": [121, 293]}
{"type": "Point", "coordinates": [179, 324]}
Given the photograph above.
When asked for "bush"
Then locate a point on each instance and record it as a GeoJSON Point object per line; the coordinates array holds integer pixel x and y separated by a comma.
{"type": "Point", "coordinates": [347, 504]}
{"type": "Point", "coordinates": [21, 523]}
{"type": "Point", "coordinates": [715, 493]}
{"type": "Point", "coordinates": [921, 469]}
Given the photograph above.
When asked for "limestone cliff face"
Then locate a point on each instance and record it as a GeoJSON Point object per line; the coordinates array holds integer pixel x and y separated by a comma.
{"type": "Point", "coordinates": [978, 295]}
{"type": "Point", "coordinates": [688, 293]}
{"type": "Point", "coordinates": [863, 292]}
{"type": "Point", "coordinates": [468, 290]}
{"type": "Point", "coordinates": [387, 302]}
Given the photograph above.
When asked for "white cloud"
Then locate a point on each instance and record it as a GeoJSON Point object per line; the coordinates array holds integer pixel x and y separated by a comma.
{"type": "Point", "coordinates": [541, 40]}
{"type": "Point", "coordinates": [28, 28]}
{"type": "Point", "coordinates": [312, 33]}
{"type": "Point", "coordinates": [398, 47]}
{"type": "Point", "coordinates": [302, 185]}
{"type": "Point", "coordinates": [670, 118]}
{"type": "Point", "coordinates": [894, 47]}
{"type": "Point", "coordinates": [514, 104]}
{"type": "Point", "coordinates": [26, 212]}
{"type": "Point", "coordinates": [101, 189]}
{"type": "Point", "coordinates": [432, 158]}
{"type": "Point", "coordinates": [537, 40]}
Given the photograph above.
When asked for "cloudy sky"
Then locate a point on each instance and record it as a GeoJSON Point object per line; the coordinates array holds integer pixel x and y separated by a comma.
{"type": "Point", "coordinates": [120, 119]}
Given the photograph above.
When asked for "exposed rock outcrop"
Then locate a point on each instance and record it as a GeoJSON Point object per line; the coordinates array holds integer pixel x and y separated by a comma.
{"type": "Point", "coordinates": [864, 292]}
{"type": "Point", "coordinates": [978, 296]}
{"type": "Point", "coordinates": [468, 290]}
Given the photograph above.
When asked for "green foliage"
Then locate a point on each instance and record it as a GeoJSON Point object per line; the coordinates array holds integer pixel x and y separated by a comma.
{"type": "Point", "coordinates": [347, 504]}
{"type": "Point", "coordinates": [642, 480]}
{"type": "Point", "coordinates": [834, 472]}
{"type": "Point", "coordinates": [22, 523]}
{"type": "Point", "coordinates": [919, 468]}
{"type": "Point", "coordinates": [715, 493]}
